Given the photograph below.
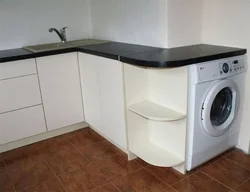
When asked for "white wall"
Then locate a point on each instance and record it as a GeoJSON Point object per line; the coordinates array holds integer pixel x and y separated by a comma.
{"type": "Point", "coordinates": [184, 22]}
{"type": "Point", "coordinates": [163, 23]}
{"type": "Point", "coordinates": [132, 21]}
{"type": "Point", "coordinates": [226, 22]}
{"type": "Point", "coordinates": [25, 22]}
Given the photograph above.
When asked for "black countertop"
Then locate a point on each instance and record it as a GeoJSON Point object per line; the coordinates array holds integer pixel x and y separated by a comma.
{"type": "Point", "coordinates": [115, 50]}
{"type": "Point", "coordinates": [18, 54]}
{"type": "Point", "coordinates": [182, 56]}
{"type": "Point", "coordinates": [139, 55]}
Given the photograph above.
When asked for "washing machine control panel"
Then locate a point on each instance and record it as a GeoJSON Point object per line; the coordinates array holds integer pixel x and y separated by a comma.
{"type": "Point", "coordinates": [220, 69]}
{"type": "Point", "coordinates": [231, 67]}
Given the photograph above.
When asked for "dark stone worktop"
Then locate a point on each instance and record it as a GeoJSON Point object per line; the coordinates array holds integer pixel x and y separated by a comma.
{"type": "Point", "coordinates": [137, 54]}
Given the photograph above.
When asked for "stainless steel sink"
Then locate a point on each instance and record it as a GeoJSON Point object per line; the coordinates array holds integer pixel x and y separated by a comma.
{"type": "Point", "coordinates": [68, 44]}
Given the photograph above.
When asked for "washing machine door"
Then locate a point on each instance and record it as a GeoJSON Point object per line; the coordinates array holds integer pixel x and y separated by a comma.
{"type": "Point", "coordinates": [220, 107]}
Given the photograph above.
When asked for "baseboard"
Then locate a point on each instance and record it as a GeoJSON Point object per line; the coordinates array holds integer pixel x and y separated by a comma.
{"type": "Point", "coordinates": [40, 137]}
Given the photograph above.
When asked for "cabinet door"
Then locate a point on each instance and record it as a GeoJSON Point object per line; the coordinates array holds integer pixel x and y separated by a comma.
{"type": "Point", "coordinates": [61, 90]}
{"type": "Point", "coordinates": [110, 74]}
{"type": "Point", "coordinates": [21, 124]}
{"type": "Point", "coordinates": [19, 93]}
{"type": "Point", "coordinates": [91, 90]}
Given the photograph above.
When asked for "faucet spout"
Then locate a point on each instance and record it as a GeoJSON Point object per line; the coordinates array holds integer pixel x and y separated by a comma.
{"type": "Point", "coordinates": [61, 36]}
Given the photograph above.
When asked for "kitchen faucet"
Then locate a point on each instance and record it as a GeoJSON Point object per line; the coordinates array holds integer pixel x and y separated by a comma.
{"type": "Point", "coordinates": [61, 33]}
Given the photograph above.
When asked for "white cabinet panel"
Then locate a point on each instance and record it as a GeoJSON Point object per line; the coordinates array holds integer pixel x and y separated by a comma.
{"type": "Point", "coordinates": [61, 90]}
{"type": "Point", "coordinates": [19, 93]}
{"type": "Point", "coordinates": [110, 74]}
{"type": "Point", "coordinates": [21, 124]}
{"type": "Point", "coordinates": [17, 68]}
{"type": "Point", "coordinates": [91, 90]}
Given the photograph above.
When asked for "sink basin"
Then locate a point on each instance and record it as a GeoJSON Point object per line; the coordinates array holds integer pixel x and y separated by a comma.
{"type": "Point", "coordinates": [68, 44]}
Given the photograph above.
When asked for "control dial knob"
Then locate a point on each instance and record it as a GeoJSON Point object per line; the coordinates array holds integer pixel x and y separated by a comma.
{"type": "Point", "coordinates": [225, 68]}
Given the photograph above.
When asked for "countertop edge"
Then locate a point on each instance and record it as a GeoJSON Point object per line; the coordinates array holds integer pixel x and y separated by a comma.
{"type": "Point", "coordinates": [180, 63]}
{"type": "Point", "coordinates": [128, 58]}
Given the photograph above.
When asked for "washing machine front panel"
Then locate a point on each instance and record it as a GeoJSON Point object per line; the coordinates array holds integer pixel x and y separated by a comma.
{"type": "Point", "coordinates": [220, 108]}
{"type": "Point", "coordinates": [202, 146]}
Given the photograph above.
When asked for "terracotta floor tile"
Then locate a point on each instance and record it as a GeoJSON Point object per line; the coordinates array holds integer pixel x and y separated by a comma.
{"type": "Point", "coordinates": [227, 172]}
{"type": "Point", "coordinates": [50, 147]}
{"type": "Point", "coordinates": [245, 187]}
{"type": "Point", "coordinates": [217, 158]}
{"type": "Point", "coordinates": [141, 162]}
{"type": "Point", "coordinates": [5, 183]}
{"type": "Point", "coordinates": [117, 166]}
{"type": "Point", "coordinates": [30, 169]}
{"type": "Point", "coordinates": [16, 158]}
{"type": "Point", "coordinates": [84, 179]}
{"type": "Point", "coordinates": [240, 158]}
{"type": "Point", "coordinates": [2, 167]}
{"type": "Point", "coordinates": [228, 152]}
{"type": "Point", "coordinates": [51, 185]}
{"type": "Point", "coordinates": [106, 188]}
{"type": "Point", "coordinates": [168, 175]}
{"type": "Point", "coordinates": [100, 151]}
{"type": "Point", "coordinates": [30, 175]}
{"type": "Point", "coordinates": [84, 137]}
{"type": "Point", "coordinates": [199, 182]}
{"type": "Point", "coordinates": [67, 161]}
{"type": "Point", "coordinates": [168, 189]}
{"type": "Point", "coordinates": [140, 181]}
{"type": "Point", "coordinates": [40, 151]}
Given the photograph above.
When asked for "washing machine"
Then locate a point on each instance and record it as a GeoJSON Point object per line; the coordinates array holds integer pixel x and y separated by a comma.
{"type": "Point", "coordinates": [215, 101]}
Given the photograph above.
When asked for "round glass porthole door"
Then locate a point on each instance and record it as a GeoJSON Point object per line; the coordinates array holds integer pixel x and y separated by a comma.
{"type": "Point", "coordinates": [220, 107]}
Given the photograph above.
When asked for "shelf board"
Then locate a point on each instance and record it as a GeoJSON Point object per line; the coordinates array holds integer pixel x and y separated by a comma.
{"type": "Point", "coordinates": [155, 155]}
{"type": "Point", "coordinates": [153, 111]}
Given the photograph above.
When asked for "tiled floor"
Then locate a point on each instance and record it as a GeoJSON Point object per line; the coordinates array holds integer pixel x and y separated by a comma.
{"type": "Point", "coordinates": [84, 161]}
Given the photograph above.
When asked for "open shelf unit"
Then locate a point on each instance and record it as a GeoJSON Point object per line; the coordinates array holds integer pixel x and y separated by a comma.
{"type": "Point", "coordinates": [155, 112]}
{"type": "Point", "coordinates": [156, 101]}
{"type": "Point", "coordinates": [155, 155]}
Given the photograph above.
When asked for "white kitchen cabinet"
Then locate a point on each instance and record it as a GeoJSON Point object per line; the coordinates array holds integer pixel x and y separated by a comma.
{"type": "Point", "coordinates": [19, 93]}
{"type": "Point", "coordinates": [91, 90]}
{"type": "Point", "coordinates": [110, 73]}
{"type": "Point", "coordinates": [21, 124]}
{"type": "Point", "coordinates": [17, 68]}
{"type": "Point", "coordinates": [61, 90]}
{"type": "Point", "coordinates": [103, 96]}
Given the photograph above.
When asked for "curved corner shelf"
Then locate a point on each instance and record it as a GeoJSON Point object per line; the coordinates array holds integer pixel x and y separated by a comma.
{"type": "Point", "coordinates": [155, 155]}
{"type": "Point", "coordinates": [153, 111]}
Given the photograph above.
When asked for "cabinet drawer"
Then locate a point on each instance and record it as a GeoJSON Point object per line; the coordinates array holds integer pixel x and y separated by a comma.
{"type": "Point", "coordinates": [17, 68]}
{"type": "Point", "coordinates": [21, 124]}
{"type": "Point", "coordinates": [19, 93]}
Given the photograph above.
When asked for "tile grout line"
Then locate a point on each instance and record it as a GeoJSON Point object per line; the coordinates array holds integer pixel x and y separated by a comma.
{"type": "Point", "coordinates": [98, 170]}
{"type": "Point", "coordinates": [199, 170]}
{"type": "Point", "coordinates": [241, 167]}
{"type": "Point", "coordinates": [158, 177]}
{"type": "Point", "coordinates": [238, 164]}
{"type": "Point", "coordinates": [56, 176]}
{"type": "Point", "coordinates": [231, 152]}
{"type": "Point", "coordinates": [93, 165]}
{"type": "Point", "coordinates": [163, 180]}
{"type": "Point", "coordinates": [243, 183]}
{"type": "Point", "coordinates": [114, 185]}
{"type": "Point", "coordinates": [185, 178]}
{"type": "Point", "coordinates": [122, 176]}
{"type": "Point", "coordinates": [217, 180]}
